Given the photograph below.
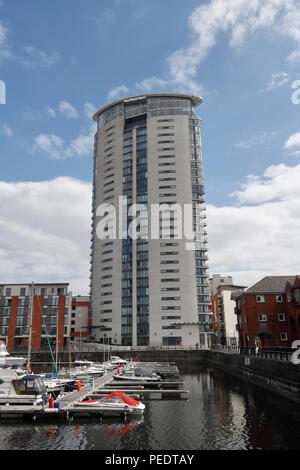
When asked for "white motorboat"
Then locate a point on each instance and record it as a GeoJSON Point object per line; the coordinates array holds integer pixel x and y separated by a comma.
{"type": "Point", "coordinates": [55, 385]}
{"type": "Point", "coordinates": [117, 361]}
{"type": "Point", "coordinates": [19, 388]}
{"type": "Point", "coordinates": [85, 372]}
{"type": "Point", "coordinates": [7, 359]}
{"type": "Point", "coordinates": [138, 374]}
{"type": "Point", "coordinates": [114, 403]}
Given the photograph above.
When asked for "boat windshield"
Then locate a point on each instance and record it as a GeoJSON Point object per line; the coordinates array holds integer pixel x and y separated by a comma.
{"type": "Point", "coordinates": [29, 385]}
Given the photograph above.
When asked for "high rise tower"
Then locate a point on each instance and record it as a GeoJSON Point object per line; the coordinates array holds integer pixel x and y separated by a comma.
{"type": "Point", "coordinates": [150, 288]}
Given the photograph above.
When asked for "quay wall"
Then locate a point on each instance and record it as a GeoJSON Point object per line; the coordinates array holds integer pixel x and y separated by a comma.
{"type": "Point", "coordinates": [281, 378]}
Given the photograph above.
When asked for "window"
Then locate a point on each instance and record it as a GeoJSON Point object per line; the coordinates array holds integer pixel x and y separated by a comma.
{"type": "Point", "coordinates": [283, 336]}
{"type": "Point", "coordinates": [260, 298]}
{"type": "Point", "coordinates": [8, 291]}
{"type": "Point", "coordinates": [281, 317]}
{"type": "Point", "coordinates": [279, 298]}
{"type": "Point", "coordinates": [23, 291]}
{"type": "Point", "coordinates": [262, 317]}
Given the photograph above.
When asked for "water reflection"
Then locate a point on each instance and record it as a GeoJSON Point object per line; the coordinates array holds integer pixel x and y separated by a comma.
{"type": "Point", "coordinates": [221, 413]}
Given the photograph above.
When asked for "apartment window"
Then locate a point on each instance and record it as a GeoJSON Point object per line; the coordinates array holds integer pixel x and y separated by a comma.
{"type": "Point", "coordinates": [171, 317]}
{"type": "Point", "coordinates": [166, 253]}
{"type": "Point", "coordinates": [164, 271]}
{"type": "Point", "coordinates": [260, 299]}
{"type": "Point", "coordinates": [166, 156]}
{"type": "Point", "coordinates": [23, 291]}
{"type": "Point", "coordinates": [170, 262]}
{"type": "Point", "coordinates": [173, 307]}
{"type": "Point", "coordinates": [8, 292]}
{"type": "Point", "coordinates": [165, 120]}
{"type": "Point", "coordinates": [170, 298]}
{"type": "Point", "coordinates": [281, 317]}
{"type": "Point", "coordinates": [103, 294]}
{"type": "Point", "coordinates": [279, 298]}
{"type": "Point", "coordinates": [172, 279]}
{"type": "Point", "coordinates": [283, 336]}
{"type": "Point", "coordinates": [170, 289]}
{"type": "Point", "coordinates": [262, 317]}
{"type": "Point", "coordinates": [171, 327]}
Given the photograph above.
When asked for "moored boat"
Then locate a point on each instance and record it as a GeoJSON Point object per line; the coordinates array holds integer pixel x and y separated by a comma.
{"type": "Point", "coordinates": [19, 388]}
{"type": "Point", "coordinates": [114, 403]}
{"type": "Point", "coordinates": [138, 374]}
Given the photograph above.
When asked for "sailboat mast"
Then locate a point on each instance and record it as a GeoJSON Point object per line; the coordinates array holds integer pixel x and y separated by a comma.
{"type": "Point", "coordinates": [30, 324]}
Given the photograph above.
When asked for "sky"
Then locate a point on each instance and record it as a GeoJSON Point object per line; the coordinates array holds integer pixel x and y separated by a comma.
{"type": "Point", "coordinates": [61, 61]}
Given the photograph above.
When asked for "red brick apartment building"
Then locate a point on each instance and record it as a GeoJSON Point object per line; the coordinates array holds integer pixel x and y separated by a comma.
{"type": "Point", "coordinates": [57, 316]}
{"type": "Point", "coordinates": [269, 312]}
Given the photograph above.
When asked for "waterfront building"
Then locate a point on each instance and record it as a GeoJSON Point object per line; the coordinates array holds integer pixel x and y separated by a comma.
{"type": "Point", "coordinates": [48, 312]}
{"type": "Point", "coordinates": [150, 289]}
{"type": "Point", "coordinates": [223, 309]}
{"type": "Point", "coordinates": [80, 319]}
{"type": "Point", "coordinates": [269, 312]}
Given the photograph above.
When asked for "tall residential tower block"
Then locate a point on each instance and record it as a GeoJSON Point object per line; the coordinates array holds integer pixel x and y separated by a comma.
{"type": "Point", "coordinates": [149, 279]}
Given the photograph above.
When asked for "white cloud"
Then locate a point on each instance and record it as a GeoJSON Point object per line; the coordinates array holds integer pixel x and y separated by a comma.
{"type": "Point", "coordinates": [51, 112]}
{"type": "Point", "coordinates": [259, 139]}
{"type": "Point", "coordinates": [45, 232]}
{"type": "Point", "coordinates": [35, 58]}
{"type": "Point", "coordinates": [148, 84]}
{"type": "Point", "coordinates": [67, 110]}
{"type": "Point", "coordinates": [221, 20]}
{"type": "Point", "coordinates": [5, 49]}
{"type": "Point", "coordinates": [277, 80]}
{"type": "Point", "coordinates": [293, 144]}
{"type": "Point", "coordinates": [89, 110]}
{"type": "Point", "coordinates": [103, 18]}
{"type": "Point", "coordinates": [117, 92]}
{"type": "Point", "coordinates": [259, 236]}
{"type": "Point", "coordinates": [55, 147]}
{"type": "Point", "coordinates": [6, 131]}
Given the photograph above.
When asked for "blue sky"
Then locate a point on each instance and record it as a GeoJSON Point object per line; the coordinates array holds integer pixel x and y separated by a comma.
{"type": "Point", "coordinates": [62, 60]}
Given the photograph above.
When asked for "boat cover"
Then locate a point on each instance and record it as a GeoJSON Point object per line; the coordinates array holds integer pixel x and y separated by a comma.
{"type": "Point", "coordinates": [128, 400]}
{"type": "Point", "coordinates": [143, 372]}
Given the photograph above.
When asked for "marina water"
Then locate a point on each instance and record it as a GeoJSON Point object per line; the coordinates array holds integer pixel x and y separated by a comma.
{"type": "Point", "coordinates": [221, 414]}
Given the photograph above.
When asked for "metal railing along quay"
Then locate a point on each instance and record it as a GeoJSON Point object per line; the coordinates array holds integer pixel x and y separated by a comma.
{"type": "Point", "coordinates": [275, 353]}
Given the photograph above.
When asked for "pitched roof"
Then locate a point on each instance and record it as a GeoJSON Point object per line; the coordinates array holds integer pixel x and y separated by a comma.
{"type": "Point", "coordinates": [271, 284]}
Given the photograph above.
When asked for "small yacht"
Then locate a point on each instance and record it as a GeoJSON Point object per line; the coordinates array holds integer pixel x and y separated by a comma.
{"type": "Point", "coordinates": [19, 388]}
{"type": "Point", "coordinates": [7, 359]}
{"type": "Point", "coordinates": [138, 374]}
{"type": "Point", "coordinates": [114, 403]}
